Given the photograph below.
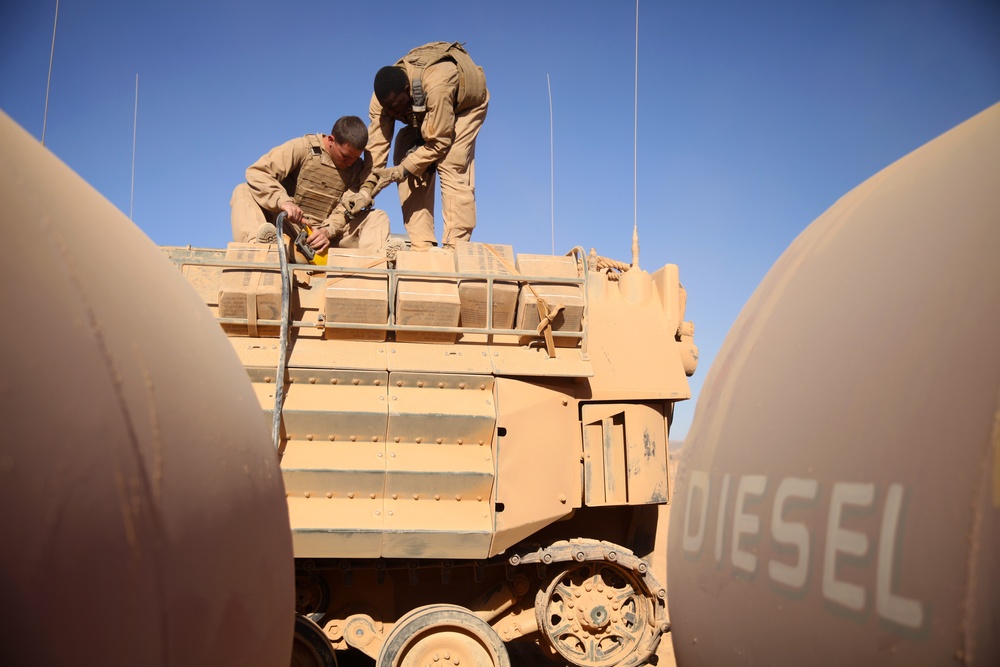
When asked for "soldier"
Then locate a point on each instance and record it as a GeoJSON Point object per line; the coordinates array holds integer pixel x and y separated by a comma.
{"type": "Point", "coordinates": [306, 178]}
{"type": "Point", "coordinates": [440, 96]}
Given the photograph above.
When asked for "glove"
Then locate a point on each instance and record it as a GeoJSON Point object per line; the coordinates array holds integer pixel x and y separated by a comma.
{"type": "Point", "coordinates": [394, 175]}
{"type": "Point", "coordinates": [355, 202]}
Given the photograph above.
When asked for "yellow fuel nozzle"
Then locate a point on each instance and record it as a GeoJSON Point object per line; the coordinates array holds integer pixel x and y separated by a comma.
{"type": "Point", "coordinates": [313, 257]}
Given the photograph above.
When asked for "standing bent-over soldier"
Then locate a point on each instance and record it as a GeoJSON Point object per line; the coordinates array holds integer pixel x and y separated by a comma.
{"type": "Point", "coordinates": [307, 177]}
{"type": "Point", "coordinates": [440, 95]}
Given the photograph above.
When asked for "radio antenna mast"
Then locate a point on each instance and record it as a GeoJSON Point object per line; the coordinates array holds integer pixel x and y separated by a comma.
{"type": "Point", "coordinates": [45, 114]}
{"type": "Point", "coordinates": [552, 167]}
{"type": "Point", "coordinates": [135, 121]}
{"type": "Point", "coordinates": [635, 151]}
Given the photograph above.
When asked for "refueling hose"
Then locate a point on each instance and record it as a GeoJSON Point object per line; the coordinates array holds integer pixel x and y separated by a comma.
{"type": "Point", "coordinates": [279, 378]}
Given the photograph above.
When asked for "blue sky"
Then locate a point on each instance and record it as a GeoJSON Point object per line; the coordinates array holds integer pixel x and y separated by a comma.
{"type": "Point", "coordinates": [753, 117]}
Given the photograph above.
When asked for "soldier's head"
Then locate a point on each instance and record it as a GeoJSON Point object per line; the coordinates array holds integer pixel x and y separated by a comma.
{"type": "Point", "coordinates": [346, 141]}
{"type": "Point", "coordinates": [392, 90]}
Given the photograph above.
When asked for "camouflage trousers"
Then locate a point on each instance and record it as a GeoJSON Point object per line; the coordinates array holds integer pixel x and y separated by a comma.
{"type": "Point", "coordinates": [369, 229]}
{"type": "Point", "coordinates": [457, 172]}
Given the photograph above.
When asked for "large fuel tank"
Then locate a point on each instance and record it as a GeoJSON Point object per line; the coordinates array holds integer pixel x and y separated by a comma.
{"type": "Point", "coordinates": [144, 520]}
{"type": "Point", "coordinates": [838, 501]}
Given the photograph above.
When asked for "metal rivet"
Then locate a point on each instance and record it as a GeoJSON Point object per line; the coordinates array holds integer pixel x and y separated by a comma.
{"type": "Point", "coordinates": [268, 379]}
{"type": "Point", "coordinates": [378, 383]}
{"type": "Point", "coordinates": [354, 438]}
{"type": "Point", "coordinates": [461, 385]}
{"type": "Point", "coordinates": [439, 441]}
{"type": "Point", "coordinates": [483, 387]}
{"type": "Point", "coordinates": [479, 499]}
{"type": "Point", "coordinates": [356, 381]}
{"type": "Point", "coordinates": [440, 385]}
{"type": "Point", "coordinates": [458, 496]}
{"type": "Point", "coordinates": [437, 496]}
{"type": "Point", "coordinates": [329, 494]}
{"type": "Point", "coordinates": [565, 402]}
{"type": "Point", "coordinates": [416, 496]}
{"type": "Point", "coordinates": [419, 440]}
{"type": "Point", "coordinates": [312, 380]}
{"type": "Point", "coordinates": [350, 494]}
{"type": "Point", "coordinates": [395, 496]}
{"type": "Point", "coordinates": [420, 384]}
{"type": "Point", "coordinates": [372, 496]}
{"type": "Point", "coordinates": [334, 381]}
{"type": "Point", "coordinates": [374, 438]}
{"type": "Point", "coordinates": [332, 438]}
{"type": "Point", "coordinates": [399, 383]}
{"type": "Point", "coordinates": [307, 494]}
{"type": "Point", "coordinates": [460, 441]}
{"type": "Point", "coordinates": [396, 439]}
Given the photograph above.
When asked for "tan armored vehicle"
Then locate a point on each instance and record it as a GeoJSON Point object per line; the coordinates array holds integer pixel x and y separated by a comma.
{"type": "Point", "coordinates": [473, 444]}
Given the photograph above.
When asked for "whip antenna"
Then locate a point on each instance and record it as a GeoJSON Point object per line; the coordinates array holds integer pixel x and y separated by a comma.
{"type": "Point", "coordinates": [635, 151]}
{"type": "Point", "coordinates": [45, 114]}
{"type": "Point", "coordinates": [135, 120]}
{"type": "Point", "coordinates": [552, 167]}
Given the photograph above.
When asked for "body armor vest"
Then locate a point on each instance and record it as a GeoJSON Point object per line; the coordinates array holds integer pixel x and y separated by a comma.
{"type": "Point", "coordinates": [471, 79]}
{"type": "Point", "coordinates": [318, 186]}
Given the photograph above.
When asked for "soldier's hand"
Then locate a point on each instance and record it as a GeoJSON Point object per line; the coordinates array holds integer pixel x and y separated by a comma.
{"type": "Point", "coordinates": [355, 202]}
{"type": "Point", "coordinates": [294, 212]}
{"type": "Point", "coordinates": [319, 240]}
{"type": "Point", "coordinates": [393, 175]}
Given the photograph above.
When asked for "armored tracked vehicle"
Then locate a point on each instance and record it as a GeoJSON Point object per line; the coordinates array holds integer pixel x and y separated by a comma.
{"type": "Point", "coordinates": [474, 445]}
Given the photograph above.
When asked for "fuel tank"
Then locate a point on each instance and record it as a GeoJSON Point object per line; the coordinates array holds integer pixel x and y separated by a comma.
{"type": "Point", "coordinates": [144, 520]}
{"type": "Point", "coordinates": [838, 499]}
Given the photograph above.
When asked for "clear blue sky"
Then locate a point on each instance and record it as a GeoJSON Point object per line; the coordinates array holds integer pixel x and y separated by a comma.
{"type": "Point", "coordinates": [753, 117]}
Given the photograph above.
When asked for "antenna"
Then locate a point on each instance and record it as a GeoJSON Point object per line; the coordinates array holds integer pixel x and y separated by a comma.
{"type": "Point", "coordinates": [552, 167]}
{"type": "Point", "coordinates": [135, 121]}
{"type": "Point", "coordinates": [45, 114]}
{"type": "Point", "coordinates": [635, 151]}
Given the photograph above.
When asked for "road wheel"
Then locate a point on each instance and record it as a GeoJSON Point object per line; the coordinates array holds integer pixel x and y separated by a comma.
{"type": "Point", "coordinates": [442, 635]}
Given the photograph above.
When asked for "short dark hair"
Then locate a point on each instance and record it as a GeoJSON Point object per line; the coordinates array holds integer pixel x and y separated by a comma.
{"type": "Point", "coordinates": [350, 130]}
{"type": "Point", "coordinates": [388, 81]}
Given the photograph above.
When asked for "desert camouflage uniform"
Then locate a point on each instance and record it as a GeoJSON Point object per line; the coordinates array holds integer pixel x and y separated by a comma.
{"type": "Point", "coordinates": [456, 104]}
{"type": "Point", "coordinates": [301, 171]}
